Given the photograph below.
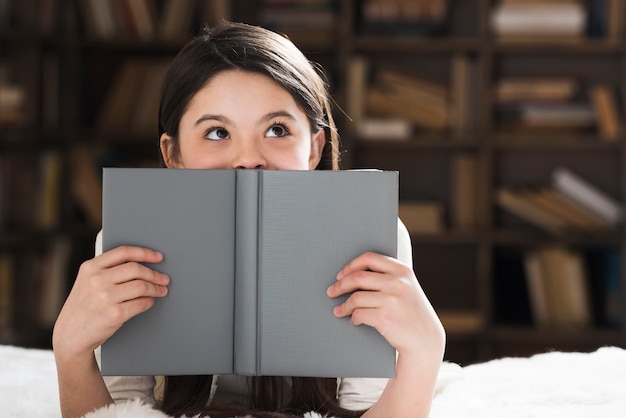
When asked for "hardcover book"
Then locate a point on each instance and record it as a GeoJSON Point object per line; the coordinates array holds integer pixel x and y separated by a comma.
{"type": "Point", "coordinates": [250, 254]}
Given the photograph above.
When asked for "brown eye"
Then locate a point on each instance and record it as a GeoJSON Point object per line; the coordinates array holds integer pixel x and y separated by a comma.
{"type": "Point", "coordinates": [277, 131]}
{"type": "Point", "coordinates": [217, 134]}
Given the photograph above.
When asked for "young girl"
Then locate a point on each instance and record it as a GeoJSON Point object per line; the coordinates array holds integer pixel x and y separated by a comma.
{"type": "Point", "coordinates": [240, 96]}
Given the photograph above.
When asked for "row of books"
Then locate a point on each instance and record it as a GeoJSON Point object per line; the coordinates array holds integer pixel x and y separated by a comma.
{"type": "Point", "coordinates": [415, 18]}
{"type": "Point", "coordinates": [559, 287]}
{"type": "Point", "coordinates": [569, 204]}
{"type": "Point", "coordinates": [557, 103]}
{"type": "Point", "coordinates": [463, 213]}
{"type": "Point", "coordinates": [132, 102]}
{"type": "Point", "coordinates": [31, 197]}
{"type": "Point", "coordinates": [304, 22]}
{"type": "Point", "coordinates": [42, 277]}
{"type": "Point", "coordinates": [557, 20]}
{"type": "Point", "coordinates": [175, 20]}
{"type": "Point", "coordinates": [388, 103]}
{"type": "Point", "coordinates": [42, 192]}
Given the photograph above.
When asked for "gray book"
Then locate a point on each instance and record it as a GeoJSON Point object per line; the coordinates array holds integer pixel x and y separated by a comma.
{"type": "Point", "coordinates": [250, 254]}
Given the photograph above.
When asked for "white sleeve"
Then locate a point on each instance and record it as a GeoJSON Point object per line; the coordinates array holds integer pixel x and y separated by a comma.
{"type": "Point", "coordinates": [126, 388]}
{"type": "Point", "coordinates": [363, 393]}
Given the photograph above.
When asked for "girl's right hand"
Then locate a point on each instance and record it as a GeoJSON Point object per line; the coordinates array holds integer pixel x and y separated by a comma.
{"type": "Point", "coordinates": [109, 289]}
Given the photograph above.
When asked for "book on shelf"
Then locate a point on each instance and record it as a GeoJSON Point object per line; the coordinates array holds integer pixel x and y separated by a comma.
{"type": "Point", "coordinates": [460, 92]}
{"type": "Point", "coordinates": [50, 190]}
{"type": "Point", "coordinates": [604, 103]}
{"type": "Point", "coordinates": [527, 20]}
{"type": "Point", "coordinates": [422, 217]}
{"type": "Point", "coordinates": [356, 85]}
{"type": "Point", "coordinates": [582, 191]}
{"type": "Point", "coordinates": [262, 246]}
{"type": "Point", "coordinates": [86, 184]}
{"type": "Point", "coordinates": [559, 287]}
{"type": "Point", "coordinates": [518, 89]}
{"type": "Point", "coordinates": [386, 129]}
{"type": "Point", "coordinates": [465, 191]}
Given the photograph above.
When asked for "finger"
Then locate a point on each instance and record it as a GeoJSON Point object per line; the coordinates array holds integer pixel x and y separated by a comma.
{"type": "Point", "coordinates": [359, 280]}
{"type": "Point", "coordinates": [125, 254]}
{"type": "Point", "coordinates": [136, 289]}
{"type": "Point", "coordinates": [358, 300]}
{"type": "Point", "coordinates": [367, 316]}
{"type": "Point", "coordinates": [369, 261]}
{"type": "Point", "coordinates": [133, 271]}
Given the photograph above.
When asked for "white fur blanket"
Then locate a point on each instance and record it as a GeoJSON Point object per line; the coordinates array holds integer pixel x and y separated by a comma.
{"type": "Point", "coordinates": [572, 385]}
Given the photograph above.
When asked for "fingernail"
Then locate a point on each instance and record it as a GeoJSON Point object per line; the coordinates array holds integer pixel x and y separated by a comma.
{"type": "Point", "coordinates": [165, 278]}
{"type": "Point", "coordinates": [329, 291]}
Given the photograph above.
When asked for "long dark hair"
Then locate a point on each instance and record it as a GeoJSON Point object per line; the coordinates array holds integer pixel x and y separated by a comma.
{"type": "Point", "coordinates": [251, 48]}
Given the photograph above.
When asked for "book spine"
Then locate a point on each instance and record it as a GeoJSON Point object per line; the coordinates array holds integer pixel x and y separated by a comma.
{"type": "Point", "coordinates": [246, 256]}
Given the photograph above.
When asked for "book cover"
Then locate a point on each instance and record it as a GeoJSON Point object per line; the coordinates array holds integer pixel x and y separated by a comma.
{"type": "Point", "coordinates": [250, 254]}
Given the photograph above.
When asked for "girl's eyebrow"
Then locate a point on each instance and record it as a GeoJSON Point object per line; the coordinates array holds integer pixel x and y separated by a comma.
{"type": "Point", "coordinates": [219, 118]}
{"type": "Point", "coordinates": [279, 113]}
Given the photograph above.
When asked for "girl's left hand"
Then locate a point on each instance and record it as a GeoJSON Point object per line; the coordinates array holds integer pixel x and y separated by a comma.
{"type": "Point", "coordinates": [387, 296]}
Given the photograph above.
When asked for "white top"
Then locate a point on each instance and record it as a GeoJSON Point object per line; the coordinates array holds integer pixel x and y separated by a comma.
{"type": "Point", "coordinates": [353, 393]}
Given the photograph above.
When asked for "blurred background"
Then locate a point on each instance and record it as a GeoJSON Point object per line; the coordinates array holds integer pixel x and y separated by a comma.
{"type": "Point", "coordinates": [504, 119]}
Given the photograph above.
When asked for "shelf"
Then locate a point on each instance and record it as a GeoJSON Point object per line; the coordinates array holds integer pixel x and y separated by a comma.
{"type": "Point", "coordinates": [592, 336]}
{"type": "Point", "coordinates": [556, 141]}
{"type": "Point", "coordinates": [428, 141]}
{"type": "Point", "coordinates": [525, 237]}
{"type": "Point", "coordinates": [387, 45]}
{"type": "Point", "coordinates": [584, 47]}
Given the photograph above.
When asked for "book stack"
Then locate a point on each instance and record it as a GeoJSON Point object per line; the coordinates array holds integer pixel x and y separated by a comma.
{"type": "Point", "coordinates": [404, 17]}
{"type": "Point", "coordinates": [542, 104]}
{"type": "Point", "coordinates": [539, 20]}
{"type": "Point", "coordinates": [569, 204]}
{"type": "Point", "coordinates": [391, 104]}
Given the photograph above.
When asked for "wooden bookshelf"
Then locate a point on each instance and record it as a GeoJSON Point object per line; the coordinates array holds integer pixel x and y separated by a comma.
{"type": "Point", "coordinates": [464, 269]}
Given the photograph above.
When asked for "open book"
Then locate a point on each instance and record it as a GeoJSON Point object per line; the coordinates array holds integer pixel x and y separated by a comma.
{"type": "Point", "coordinates": [250, 254]}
